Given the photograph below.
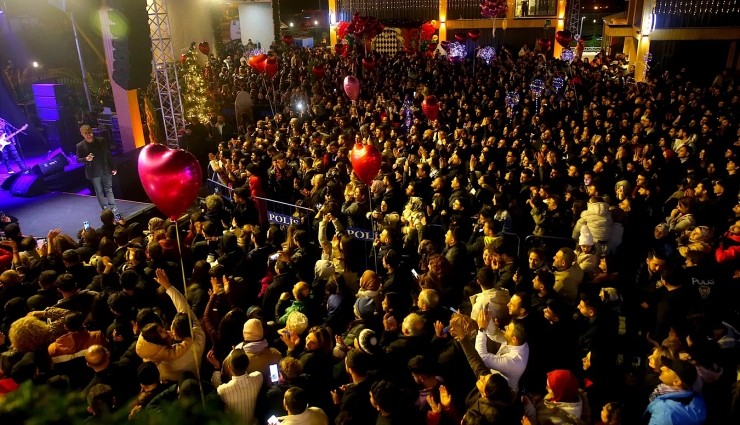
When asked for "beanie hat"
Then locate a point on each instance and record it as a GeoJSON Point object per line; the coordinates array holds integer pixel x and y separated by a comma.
{"type": "Point", "coordinates": [365, 307]}
{"type": "Point", "coordinates": [297, 323]}
{"type": "Point", "coordinates": [253, 330]}
{"type": "Point", "coordinates": [323, 269]}
{"type": "Point", "coordinates": [585, 238]}
{"type": "Point", "coordinates": [368, 341]}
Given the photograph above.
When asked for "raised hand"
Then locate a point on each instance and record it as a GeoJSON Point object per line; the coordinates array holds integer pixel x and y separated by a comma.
{"type": "Point", "coordinates": [162, 279]}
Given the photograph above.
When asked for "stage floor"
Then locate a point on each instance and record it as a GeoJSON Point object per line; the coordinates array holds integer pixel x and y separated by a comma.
{"type": "Point", "coordinates": [39, 214]}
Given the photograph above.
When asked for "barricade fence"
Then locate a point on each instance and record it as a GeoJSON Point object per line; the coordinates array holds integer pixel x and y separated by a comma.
{"type": "Point", "coordinates": [285, 214]}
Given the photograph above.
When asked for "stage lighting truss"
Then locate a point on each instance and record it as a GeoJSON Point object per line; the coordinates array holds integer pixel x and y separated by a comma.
{"type": "Point", "coordinates": [165, 71]}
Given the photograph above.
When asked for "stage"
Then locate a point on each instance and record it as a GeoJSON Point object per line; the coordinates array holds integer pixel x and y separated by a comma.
{"type": "Point", "coordinates": [66, 211]}
{"type": "Point", "coordinates": [67, 207]}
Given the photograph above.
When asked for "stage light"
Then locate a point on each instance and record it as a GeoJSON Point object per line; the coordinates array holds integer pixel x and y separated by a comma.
{"type": "Point", "coordinates": [291, 24]}
{"type": "Point", "coordinates": [299, 105]}
{"type": "Point", "coordinates": [316, 23]}
{"type": "Point", "coordinates": [35, 64]}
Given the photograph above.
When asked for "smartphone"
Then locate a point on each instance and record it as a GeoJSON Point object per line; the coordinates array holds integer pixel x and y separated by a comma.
{"type": "Point", "coordinates": [86, 225]}
{"type": "Point", "coordinates": [273, 420]}
{"type": "Point", "coordinates": [452, 309]}
{"type": "Point", "coordinates": [119, 217]}
{"type": "Point", "coordinates": [40, 242]}
{"type": "Point", "coordinates": [446, 330]}
{"type": "Point", "coordinates": [274, 256]}
{"type": "Point", "coordinates": [415, 273]}
{"type": "Point", "coordinates": [273, 373]}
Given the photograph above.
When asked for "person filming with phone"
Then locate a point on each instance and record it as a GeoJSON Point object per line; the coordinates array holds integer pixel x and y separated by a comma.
{"type": "Point", "coordinates": [99, 167]}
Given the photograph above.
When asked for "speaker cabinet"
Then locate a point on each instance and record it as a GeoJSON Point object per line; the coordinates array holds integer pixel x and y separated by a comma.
{"type": "Point", "coordinates": [51, 166]}
{"type": "Point", "coordinates": [28, 185]}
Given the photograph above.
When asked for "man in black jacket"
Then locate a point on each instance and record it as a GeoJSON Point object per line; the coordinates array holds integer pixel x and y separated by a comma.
{"type": "Point", "coordinates": [354, 399]}
{"type": "Point", "coordinates": [99, 167]}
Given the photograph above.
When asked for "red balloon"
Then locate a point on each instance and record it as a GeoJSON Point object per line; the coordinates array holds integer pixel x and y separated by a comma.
{"type": "Point", "coordinates": [461, 36]}
{"type": "Point", "coordinates": [563, 38]}
{"type": "Point", "coordinates": [340, 48]}
{"type": "Point", "coordinates": [171, 178]}
{"type": "Point", "coordinates": [204, 47]}
{"type": "Point", "coordinates": [545, 43]}
{"type": "Point", "coordinates": [430, 107]}
{"type": "Point", "coordinates": [445, 44]}
{"type": "Point", "coordinates": [365, 161]}
{"type": "Point", "coordinates": [288, 39]}
{"type": "Point", "coordinates": [474, 34]}
{"type": "Point", "coordinates": [183, 58]}
{"type": "Point", "coordinates": [257, 62]}
{"type": "Point", "coordinates": [271, 66]}
{"type": "Point", "coordinates": [431, 47]}
{"type": "Point", "coordinates": [318, 71]}
{"type": "Point", "coordinates": [368, 63]}
{"type": "Point", "coordinates": [352, 87]}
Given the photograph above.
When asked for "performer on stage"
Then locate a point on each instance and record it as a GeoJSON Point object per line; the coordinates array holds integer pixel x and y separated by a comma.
{"type": "Point", "coordinates": [99, 167]}
{"type": "Point", "coordinates": [8, 152]}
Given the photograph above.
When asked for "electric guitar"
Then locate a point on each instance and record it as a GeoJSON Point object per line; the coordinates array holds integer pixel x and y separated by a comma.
{"type": "Point", "coordinates": [5, 138]}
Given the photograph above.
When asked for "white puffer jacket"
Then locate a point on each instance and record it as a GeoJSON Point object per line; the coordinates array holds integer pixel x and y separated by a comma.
{"type": "Point", "coordinates": [598, 218]}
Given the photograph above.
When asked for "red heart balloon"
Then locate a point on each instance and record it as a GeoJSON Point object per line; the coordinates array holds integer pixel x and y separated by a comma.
{"type": "Point", "coordinates": [474, 34]}
{"type": "Point", "coordinates": [271, 66]}
{"type": "Point", "coordinates": [368, 63]}
{"type": "Point", "coordinates": [430, 107]}
{"type": "Point", "coordinates": [563, 38]}
{"type": "Point", "coordinates": [171, 178]}
{"type": "Point", "coordinates": [257, 62]}
{"type": "Point", "coordinates": [461, 37]}
{"type": "Point", "coordinates": [365, 161]}
{"type": "Point", "coordinates": [545, 43]}
{"type": "Point", "coordinates": [204, 47]}
{"type": "Point", "coordinates": [318, 71]}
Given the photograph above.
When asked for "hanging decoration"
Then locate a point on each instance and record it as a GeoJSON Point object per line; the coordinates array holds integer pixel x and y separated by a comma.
{"type": "Point", "coordinates": [487, 54]}
{"type": "Point", "coordinates": [494, 9]}
{"type": "Point", "coordinates": [368, 63]}
{"type": "Point", "coordinates": [512, 100]}
{"type": "Point", "coordinates": [364, 28]}
{"type": "Point", "coordinates": [537, 86]}
{"type": "Point", "coordinates": [567, 55]}
{"type": "Point", "coordinates": [647, 58]}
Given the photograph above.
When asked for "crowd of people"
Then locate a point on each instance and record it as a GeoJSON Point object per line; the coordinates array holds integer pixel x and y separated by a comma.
{"type": "Point", "coordinates": [569, 258]}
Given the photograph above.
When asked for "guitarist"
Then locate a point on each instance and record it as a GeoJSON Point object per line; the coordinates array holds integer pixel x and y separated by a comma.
{"type": "Point", "coordinates": [8, 152]}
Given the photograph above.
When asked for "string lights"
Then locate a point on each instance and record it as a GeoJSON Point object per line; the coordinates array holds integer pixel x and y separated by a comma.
{"type": "Point", "coordinates": [195, 98]}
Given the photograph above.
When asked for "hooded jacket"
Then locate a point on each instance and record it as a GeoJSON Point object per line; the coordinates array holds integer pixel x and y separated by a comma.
{"type": "Point", "coordinates": [598, 219]}
{"type": "Point", "coordinates": [677, 408]}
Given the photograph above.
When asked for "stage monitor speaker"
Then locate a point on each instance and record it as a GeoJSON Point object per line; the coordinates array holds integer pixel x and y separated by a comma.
{"type": "Point", "coordinates": [51, 166]}
{"type": "Point", "coordinates": [8, 183]}
{"type": "Point", "coordinates": [28, 185]}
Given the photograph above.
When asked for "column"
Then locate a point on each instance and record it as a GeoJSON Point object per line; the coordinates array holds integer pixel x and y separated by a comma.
{"type": "Point", "coordinates": [442, 20]}
{"type": "Point", "coordinates": [558, 49]}
{"type": "Point", "coordinates": [332, 22]}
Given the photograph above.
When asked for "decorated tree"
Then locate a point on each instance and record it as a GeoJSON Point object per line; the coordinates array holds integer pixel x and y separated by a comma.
{"type": "Point", "coordinates": [194, 96]}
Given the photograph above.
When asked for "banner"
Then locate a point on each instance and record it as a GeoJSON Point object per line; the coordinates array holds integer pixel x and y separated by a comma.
{"type": "Point", "coordinates": [361, 234]}
{"type": "Point", "coordinates": [283, 219]}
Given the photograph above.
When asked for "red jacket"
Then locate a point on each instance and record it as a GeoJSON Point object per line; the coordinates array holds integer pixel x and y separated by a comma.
{"type": "Point", "coordinates": [729, 249]}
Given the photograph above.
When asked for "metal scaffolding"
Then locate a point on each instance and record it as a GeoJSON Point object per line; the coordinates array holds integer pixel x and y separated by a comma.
{"type": "Point", "coordinates": [574, 16]}
{"type": "Point", "coordinates": [165, 71]}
